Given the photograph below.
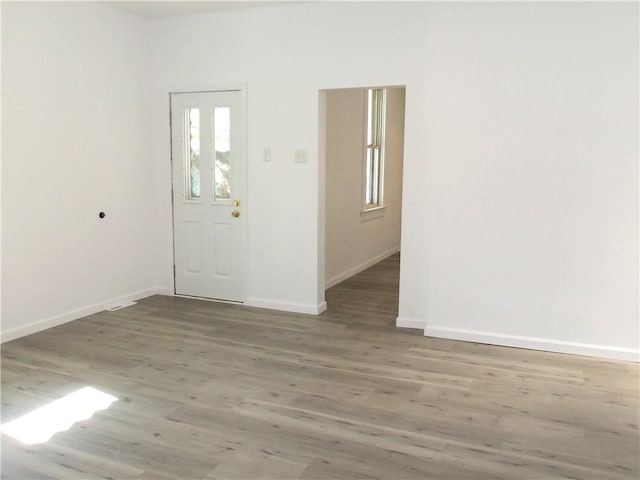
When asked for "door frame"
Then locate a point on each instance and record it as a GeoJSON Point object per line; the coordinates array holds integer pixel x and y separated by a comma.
{"type": "Point", "coordinates": [221, 87]}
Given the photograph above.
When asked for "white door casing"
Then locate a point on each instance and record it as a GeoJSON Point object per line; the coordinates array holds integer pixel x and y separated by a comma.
{"type": "Point", "coordinates": [209, 173]}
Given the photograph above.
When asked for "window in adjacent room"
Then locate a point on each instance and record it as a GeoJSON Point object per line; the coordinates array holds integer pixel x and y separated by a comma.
{"type": "Point", "coordinates": [374, 150]}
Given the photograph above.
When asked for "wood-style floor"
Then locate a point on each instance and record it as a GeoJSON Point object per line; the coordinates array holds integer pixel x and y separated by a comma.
{"type": "Point", "coordinates": [210, 390]}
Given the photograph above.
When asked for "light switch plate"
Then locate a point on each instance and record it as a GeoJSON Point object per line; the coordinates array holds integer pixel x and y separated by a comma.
{"type": "Point", "coordinates": [301, 156]}
{"type": "Point", "coordinates": [266, 154]}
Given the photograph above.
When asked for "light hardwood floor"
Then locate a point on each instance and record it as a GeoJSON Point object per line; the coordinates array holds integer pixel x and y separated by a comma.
{"type": "Point", "coordinates": [210, 390]}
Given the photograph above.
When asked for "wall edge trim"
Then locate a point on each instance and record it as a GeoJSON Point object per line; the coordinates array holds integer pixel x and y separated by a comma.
{"type": "Point", "coordinates": [306, 308]}
{"type": "Point", "coordinates": [406, 322]}
{"type": "Point", "coordinates": [71, 315]}
{"type": "Point", "coordinates": [544, 344]}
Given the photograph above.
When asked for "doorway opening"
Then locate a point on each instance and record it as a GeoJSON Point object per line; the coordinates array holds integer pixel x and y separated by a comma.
{"type": "Point", "coordinates": [361, 147]}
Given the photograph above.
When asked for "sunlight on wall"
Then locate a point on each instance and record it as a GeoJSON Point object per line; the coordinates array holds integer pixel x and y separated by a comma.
{"type": "Point", "coordinates": [41, 424]}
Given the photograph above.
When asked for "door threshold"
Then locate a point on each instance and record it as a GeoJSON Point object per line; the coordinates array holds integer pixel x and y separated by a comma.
{"type": "Point", "coordinates": [207, 299]}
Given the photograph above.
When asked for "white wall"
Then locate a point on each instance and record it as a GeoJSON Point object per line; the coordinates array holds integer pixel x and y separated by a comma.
{"type": "Point", "coordinates": [75, 141]}
{"type": "Point", "coordinates": [353, 241]}
{"type": "Point", "coordinates": [524, 230]}
{"type": "Point", "coordinates": [520, 207]}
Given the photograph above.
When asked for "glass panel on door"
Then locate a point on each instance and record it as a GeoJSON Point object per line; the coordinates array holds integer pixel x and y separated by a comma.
{"type": "Point", "coordinates": [192, 153]}
{"type": "Point", "coordinates": [222, 152]}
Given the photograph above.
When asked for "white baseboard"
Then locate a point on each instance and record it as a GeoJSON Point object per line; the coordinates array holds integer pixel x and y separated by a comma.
{"type": "Point", "coordinates": [72, 315]}
{"type": "Point", "coordinates": [548, 345]}
{"type": "Point", "coordinates": [287, 307]}
{"type": "Point", "coordinates": [264, 303]}
{"type": "Point", "coordinates": [359, 268]}
{"type": "Point", "coordinates": [405, 322]}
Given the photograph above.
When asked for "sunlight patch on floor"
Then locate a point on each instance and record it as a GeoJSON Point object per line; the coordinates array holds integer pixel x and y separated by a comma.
{"type": "Point", "coordinates": [41, 424]}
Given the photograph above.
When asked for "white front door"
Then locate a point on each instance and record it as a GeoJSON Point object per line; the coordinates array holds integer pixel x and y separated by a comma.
{"type": "Point", "coordinates": [208, 151]}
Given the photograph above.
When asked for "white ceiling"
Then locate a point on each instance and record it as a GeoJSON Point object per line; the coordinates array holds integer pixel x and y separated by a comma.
{"type": "Point", "coordinates": [161, 8]}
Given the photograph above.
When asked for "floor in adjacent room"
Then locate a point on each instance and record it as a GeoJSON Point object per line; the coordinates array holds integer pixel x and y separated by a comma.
{"type": "Point", "coordinates": [212, 390]}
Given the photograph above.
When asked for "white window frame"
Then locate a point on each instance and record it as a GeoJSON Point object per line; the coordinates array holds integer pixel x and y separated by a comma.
{"type": "Point", "coordinates": [370, 145]}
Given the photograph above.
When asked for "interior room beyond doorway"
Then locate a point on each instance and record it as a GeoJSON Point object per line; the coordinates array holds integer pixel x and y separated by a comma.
{"type": "Point", "coordinates": [364, 139]}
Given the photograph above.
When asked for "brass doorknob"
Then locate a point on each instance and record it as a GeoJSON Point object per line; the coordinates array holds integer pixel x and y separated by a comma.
{"type": "Point", "coordinates": [235, 213]}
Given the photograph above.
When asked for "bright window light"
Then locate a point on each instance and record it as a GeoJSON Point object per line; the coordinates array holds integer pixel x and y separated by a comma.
{"type": "Point", "coordinates": [374, 149]}
{"type": "Point", "coordinates": [41, 424]}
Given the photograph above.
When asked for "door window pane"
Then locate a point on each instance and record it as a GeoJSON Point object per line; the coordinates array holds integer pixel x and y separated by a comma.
{"type": "Point", "coordinates": [192, 153]}
{"type": "Point", "coordinates": [222, 152]}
